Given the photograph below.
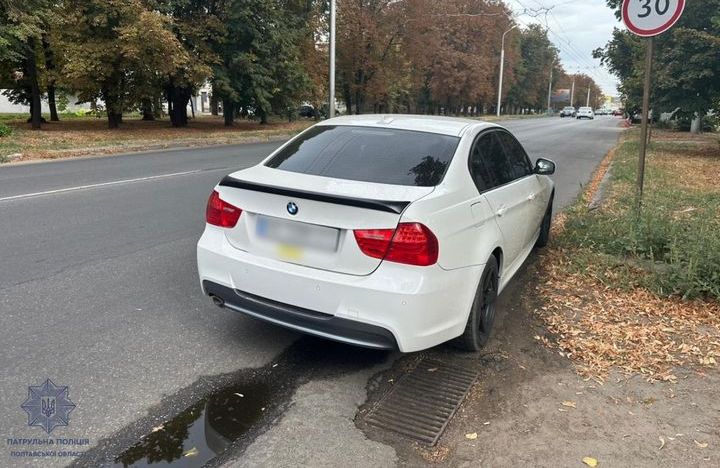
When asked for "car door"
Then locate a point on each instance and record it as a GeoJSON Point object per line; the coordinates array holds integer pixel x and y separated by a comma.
{"type": "Point", "coordinates": [507, 196]}
{"type": "Point", "coordinates": [533, 190]}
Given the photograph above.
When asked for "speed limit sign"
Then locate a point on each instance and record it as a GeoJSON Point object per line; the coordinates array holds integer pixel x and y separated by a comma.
{"type": "Point", "coordinates": [648, 18]}
{"type": "Point", "coordinates": [651, 17]}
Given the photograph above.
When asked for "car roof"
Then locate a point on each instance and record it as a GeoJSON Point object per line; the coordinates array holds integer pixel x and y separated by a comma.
{"type": "Point", "coordinates": [422, 123]}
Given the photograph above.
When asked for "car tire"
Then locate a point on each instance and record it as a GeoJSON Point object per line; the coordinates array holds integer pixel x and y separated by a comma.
{"type": "Point", "coordinates": [545, 226]}
{"type": "Point", "coordinates": [482, 313]}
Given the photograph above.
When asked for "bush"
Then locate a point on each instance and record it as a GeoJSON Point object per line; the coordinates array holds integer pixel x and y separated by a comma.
{"type": "Point", "coordinates": [674, 242]}
{"type": "Point", "coordinates": [5, 130]}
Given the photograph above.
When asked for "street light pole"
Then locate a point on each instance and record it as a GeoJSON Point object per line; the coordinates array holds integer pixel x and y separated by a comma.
{"type": "Point", "coordinates": [331, 97]}
{"type": "Point", "coordinates": [588, 98]}
{"type": "Point", "coordinates": [550, 86]}
{"type": "Point", "coordinates": [502, 66]}
{"type": "Point", "coordinates": [572, 92]}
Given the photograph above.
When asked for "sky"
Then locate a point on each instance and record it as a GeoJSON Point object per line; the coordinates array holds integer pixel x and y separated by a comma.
{"type": "Point", "coordinates": [577, 27]}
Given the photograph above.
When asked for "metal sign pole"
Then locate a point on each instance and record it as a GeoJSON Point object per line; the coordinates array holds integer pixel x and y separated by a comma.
{"type": "Point", "coordinates": [645, 118]}
{"type": "Point", "coordinates": [331, 91]}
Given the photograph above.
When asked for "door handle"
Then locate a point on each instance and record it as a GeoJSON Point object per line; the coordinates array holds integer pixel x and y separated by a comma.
{"type": "Point", "coordinates": [501, 211]}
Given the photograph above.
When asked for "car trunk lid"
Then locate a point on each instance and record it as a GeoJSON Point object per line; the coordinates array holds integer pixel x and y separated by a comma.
{"type": "Point", "coordinates": [309, 220]}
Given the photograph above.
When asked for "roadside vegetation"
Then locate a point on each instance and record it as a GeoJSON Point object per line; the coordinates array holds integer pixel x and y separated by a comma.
{"type": "Point", "coordinates": [150, 57]}
{"type": "Point", "coordinates": [641, 293]}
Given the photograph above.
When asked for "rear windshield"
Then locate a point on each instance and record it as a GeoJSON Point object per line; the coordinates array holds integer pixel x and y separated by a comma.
{"type": "Point", "coordinates": [381, 155]}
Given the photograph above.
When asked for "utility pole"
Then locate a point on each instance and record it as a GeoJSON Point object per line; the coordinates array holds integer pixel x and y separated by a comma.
{"type": "Point", "coordinates": [588, 98]}
{"type": "Point", "coordinates": [502, 65]}
{"type": "Point", "coordinates": [549, 111]}
{"type": "Point", "coordinates": [572, 92]}
{"type": "Point", "coordinates": [331, 97]}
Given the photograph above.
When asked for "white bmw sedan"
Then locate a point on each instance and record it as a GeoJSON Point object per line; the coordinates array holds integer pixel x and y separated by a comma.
{"type": "Point", "coordinates": [391, 231]}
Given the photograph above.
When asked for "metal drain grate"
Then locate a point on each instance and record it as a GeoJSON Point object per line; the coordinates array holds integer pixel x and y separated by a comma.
{"type": "Point", "coordinates": [423, 401]}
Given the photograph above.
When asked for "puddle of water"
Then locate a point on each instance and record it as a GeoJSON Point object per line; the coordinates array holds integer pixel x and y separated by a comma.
{"type": "Point", "coordinates": [208, 427]}
{"type": "Point", "coordinates": [202, 431]}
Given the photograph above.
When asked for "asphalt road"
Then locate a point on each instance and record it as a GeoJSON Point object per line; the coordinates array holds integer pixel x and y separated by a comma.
{"type": "Point", "coordinates": [98, 285]}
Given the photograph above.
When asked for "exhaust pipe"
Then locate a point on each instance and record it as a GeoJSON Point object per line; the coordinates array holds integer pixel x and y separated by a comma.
{"type": "Point", "coordinates": [218, 301]}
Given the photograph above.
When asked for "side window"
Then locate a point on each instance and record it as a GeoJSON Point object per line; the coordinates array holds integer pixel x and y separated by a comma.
{"type": "Point", "coordinates": [489, 165]}
{"type": "Point", "coordinates": [516, 155]}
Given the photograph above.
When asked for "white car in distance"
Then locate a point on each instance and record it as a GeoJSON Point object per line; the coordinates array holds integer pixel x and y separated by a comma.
{"type": "Point", "coordinates": [393, 231]}
{"type": "Point", "coordinates": [585, 113]}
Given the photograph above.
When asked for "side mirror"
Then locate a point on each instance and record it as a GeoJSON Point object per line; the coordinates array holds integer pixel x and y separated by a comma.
{"type": "Point", "coordinates": [544, 166]}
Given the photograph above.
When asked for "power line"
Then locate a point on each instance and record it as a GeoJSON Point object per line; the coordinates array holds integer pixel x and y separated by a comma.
{"type": "Point", "coordinates": [565, 44]}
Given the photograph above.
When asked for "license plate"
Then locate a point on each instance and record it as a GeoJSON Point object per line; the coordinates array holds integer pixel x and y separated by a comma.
{"type": "Point", "coordinates": [293, 236]}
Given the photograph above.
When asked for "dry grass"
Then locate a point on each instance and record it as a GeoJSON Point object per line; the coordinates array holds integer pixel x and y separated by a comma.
{"type": "Point", "coordinates": [78, 137]}
{"type": "Point", "coordinates": [602, 327]}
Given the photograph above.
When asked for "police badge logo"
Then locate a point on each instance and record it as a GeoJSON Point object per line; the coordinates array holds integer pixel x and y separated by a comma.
{"type": "Point", "coordinates": [48, 406]}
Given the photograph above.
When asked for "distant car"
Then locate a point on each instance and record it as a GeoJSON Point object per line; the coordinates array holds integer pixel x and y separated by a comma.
{"type": "Point", "coordinates": [618, 112]}
{"type": "Point", "coordinates": [601, 111]}
{"type": "Point", "coordinates": [585, 113]}
{"type": "Point", "coordinates": [568, 111]}
{"type": "Point", "coordinates": [392, 232]}
{"type": "Point", "coordinates": [306, 110]}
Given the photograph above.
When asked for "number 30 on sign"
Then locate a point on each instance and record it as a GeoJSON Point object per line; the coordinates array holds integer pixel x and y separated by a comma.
{"type": "Point", "coordinates": [651, 17]}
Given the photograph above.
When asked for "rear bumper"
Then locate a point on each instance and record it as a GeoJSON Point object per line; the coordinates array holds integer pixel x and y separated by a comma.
{"type": "Point", "coordinates": [304, 320]}
{"type": "Point", "coordinates": [411, 308]}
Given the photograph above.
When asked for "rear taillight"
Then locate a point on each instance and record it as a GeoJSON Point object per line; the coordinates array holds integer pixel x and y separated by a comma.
{"type": "Point", "coordinates": [410, 243]}
{"type": "Point", "coordinates": [221, 213]}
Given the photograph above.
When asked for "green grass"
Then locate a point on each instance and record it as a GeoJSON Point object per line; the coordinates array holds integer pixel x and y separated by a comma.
{"type": "Point", "coordinates": [673, 246]}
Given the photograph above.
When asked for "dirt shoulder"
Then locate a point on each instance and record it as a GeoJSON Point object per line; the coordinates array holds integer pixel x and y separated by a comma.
{"type": "Point", "coordinates": [529, 406]}
{"type": "Point", "coordinates": [89, 136]}
{"type": "Point", "coordinates": [559, 382]}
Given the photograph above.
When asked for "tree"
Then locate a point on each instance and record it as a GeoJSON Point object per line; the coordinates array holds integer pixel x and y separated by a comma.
{"type": "Point", "coordinates": [259, 64]}
{"type": "Point", "coordinates": [368, 36]}
{"type": "Point", "coordinates": [21, 28]}
{"type": "Point", "coordinates": [537, 55]}
{"type": "Point", "coordinates": [686, 66]}
{"type": "Point", "coordinates": [111, 48]}
{"type": "Point", "coordinates": [196, 25]}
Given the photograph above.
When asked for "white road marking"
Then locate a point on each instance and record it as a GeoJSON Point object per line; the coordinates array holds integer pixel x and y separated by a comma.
{"type": "Point", "coordinates": [102, 184]}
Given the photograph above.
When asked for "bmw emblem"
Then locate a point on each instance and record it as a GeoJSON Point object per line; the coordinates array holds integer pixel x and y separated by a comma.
{"type": "Point", "coordinates": [292, 208]}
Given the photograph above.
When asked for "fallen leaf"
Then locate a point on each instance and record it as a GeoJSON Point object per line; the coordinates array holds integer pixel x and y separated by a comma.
{"type": "Point", "coordinates": [158, 428]}
{"type": "Point", "coordinates": [191, 453]}
{"type": "Point", "coordinates": [700, 444]}
{"type": "Point", "coordinates": [590, 461]}
{"type": "Point", "coordinates": [471, 436]}
{"type": "Point", "coordinates": [486, 423]}
{"type": "Point", "coordinates": [433, 369]}
{"type": "Point", "coordinates": [662, 443]}
{"type": "Point", "coordinates": [569, 403]}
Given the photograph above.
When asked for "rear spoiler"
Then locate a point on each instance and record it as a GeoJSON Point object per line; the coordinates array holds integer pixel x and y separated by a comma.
{"type": "Point", "coordinates": [396, 207]}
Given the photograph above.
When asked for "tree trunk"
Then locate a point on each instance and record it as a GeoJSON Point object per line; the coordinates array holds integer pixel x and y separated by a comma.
{"type": "Point", "coordinates": [51, 103]}
{"type": "Point", "coordinates": [263, 116]}
{"type": "Point", "coordinates": [113, 107]}
{"type": "Point", "coordinates": [35, 105]}
{"type": "Point", "coordinates": [114, 119]}
{"type": "Point", "coordinates": [228, 112]}
{"type": "Point", "coordinates": [214, 105]}
{"type": "Point", "coordinates": [696, 123]}
{"type": "Point", "coordinates": [147, 109]}
{"type": "Point", "coordinates": [178, 98]}
{"type": "Point", "coordinates": [157, 107]}
{"type": "Point", "coordinates": [50, 67]}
